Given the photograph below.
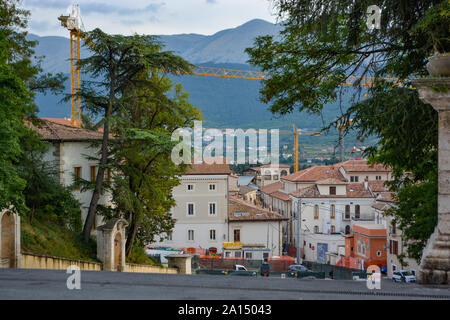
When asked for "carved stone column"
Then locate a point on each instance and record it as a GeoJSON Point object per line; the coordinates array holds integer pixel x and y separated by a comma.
{"type": "Point", "coordinates": [435, 264]}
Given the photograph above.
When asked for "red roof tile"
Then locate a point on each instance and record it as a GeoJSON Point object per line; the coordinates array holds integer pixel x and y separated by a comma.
{"type": "Point", "coordinates": [362, 166]}
{"type": "Point", "coordinates": [316, 173]}
{"type": "Point", "coordinates": [55, 131]}
{"type": "Point", "coordinates": [271, 188]}
{"type": "Point", "coordinates": [251, 212]}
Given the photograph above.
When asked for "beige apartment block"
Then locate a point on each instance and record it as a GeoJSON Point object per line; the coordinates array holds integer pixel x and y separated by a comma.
{"type": "Point", "coordinates": [201, 208]}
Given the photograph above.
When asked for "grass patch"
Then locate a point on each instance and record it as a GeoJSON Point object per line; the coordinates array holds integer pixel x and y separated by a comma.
{"type": "Point", "coordinates": [138, 256]}
{"type": "Point", "coordinates": [50, 239]}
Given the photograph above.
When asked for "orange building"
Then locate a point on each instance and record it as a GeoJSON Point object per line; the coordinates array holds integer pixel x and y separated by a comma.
{"type": "Point", "coordinates": [364, 247]}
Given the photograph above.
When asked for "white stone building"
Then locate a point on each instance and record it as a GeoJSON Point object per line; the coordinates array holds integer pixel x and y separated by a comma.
{"type": "Point", "coordinates": [332, 199]}
{"type": "Point", "coordinates": [257, 229]}
{"type": "Point", "coordinates": [69, 150]}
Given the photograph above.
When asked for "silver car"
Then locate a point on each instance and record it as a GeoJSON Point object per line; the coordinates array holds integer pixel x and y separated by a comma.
{"type": "Point", "coordinates": [403, 276]}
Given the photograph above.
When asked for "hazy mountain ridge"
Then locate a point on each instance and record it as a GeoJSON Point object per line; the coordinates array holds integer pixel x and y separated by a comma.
{"type": "Point", "coordinates": [225, 102]}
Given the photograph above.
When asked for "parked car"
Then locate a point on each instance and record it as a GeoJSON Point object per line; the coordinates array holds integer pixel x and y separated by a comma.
{"type": "Point", "coordinates": [293, 269]}
{"type": "Point", "coordinates": [403, 276]}
{"type": "Point", "coordinates": [239, 267]}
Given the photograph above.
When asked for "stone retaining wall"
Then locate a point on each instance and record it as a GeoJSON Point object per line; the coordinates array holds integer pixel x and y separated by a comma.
{"type": "Point", "coordinates": [140, 268]}
{"type": "Point", "coordinates": [36, 261]}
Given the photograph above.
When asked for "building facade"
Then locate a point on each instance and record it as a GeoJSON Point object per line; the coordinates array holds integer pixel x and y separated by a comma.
{"type": "Point", "coordinates": [70, 150]}
{"type": "Point", "coordinates": [201, 209]}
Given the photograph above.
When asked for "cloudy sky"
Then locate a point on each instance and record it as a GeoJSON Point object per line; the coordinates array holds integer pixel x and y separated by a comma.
{"type": "Point", "coordinates": [148, 16]}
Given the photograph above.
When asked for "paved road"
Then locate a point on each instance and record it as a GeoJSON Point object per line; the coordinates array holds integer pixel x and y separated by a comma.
{"type": "Point", "coordinates": [51, 284]}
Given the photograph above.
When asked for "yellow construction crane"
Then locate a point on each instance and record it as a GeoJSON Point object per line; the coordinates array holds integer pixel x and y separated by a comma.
{"type": "Point", "coordinates": [73, 23]}
{"type": "Point", "coordinates": [295, 133]}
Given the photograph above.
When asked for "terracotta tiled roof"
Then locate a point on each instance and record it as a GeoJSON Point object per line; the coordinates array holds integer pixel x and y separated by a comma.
{"type": "Point", "coordinates": [380, 206]}
{"type": "Point", "coordinates": [362, 166]}
{"type": "Point", "coordinates": [281, 195]}
{"type": "Point", "coordinates": [55, 131]}
{"type": "Point", "coordinates": [308, 192]}
{"type": "Point", "coordinates": [271, 188]}
{"type": "Point", "coordinates": [65, 121]}
{"type": "Point", "coordinates": [245, 189]}
{"type": "Point", "coordinates": [316, 173]}
{"type": "Point", "coordinates": [353, 190]}
{"type": "Point", "coordinates": [330, 181]}
{"type": "Point", "coordinates": [251, 213]}
{"type": "Point", "coordinates": [357, 190]}
{"type": "Point", "coordinates": [386, 197]}
{"type": "Point", "coordinates": [205, 168]}
{"type": "Point", "coordinates": [378, 186]}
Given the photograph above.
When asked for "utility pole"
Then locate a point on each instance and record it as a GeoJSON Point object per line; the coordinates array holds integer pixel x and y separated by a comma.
{"type": "Point", "coordinates": [298, 229]}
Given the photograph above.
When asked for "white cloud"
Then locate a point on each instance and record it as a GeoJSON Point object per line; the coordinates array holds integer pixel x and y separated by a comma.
{"type": "Point", "coordinates": [149, 16]}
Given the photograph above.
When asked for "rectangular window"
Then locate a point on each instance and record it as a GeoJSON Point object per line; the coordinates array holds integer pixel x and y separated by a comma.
{"type": "Point", "coordinates": [393, 247]}
{"type": "Point", "coordinates": [212, 187]}
{"type": "Point", "coordinates": [357, 211]}
{"type": "Point", "coordinates": [190, 187]}
{"type": "Point", "coordinates": [169, 237]}
{"type": "Point", "coordinates": [237, 235]}
{"type": "Point", "coordinates": [212, 234]}
{"type": "Point", "coordinates": [191, 235]}
{"type": "Point", "coordinates": [93, 172]}
{"type": "Point", "coordinates": [347, 212]}
{"type": "Point", "coordinates": [354, 178]}
{"type": "Point", "coordinates": [248, 255]}
{"type": "Point", "coordinates": [237, 254]}
{"type": "Point", "coordinates": [333, 211]}
{"type": "Point", "coordinates": [190, 210]}
{"type": "Point", "coordinates": [212, 208]}
{"type": "Point", "coordinates": [332, 190]}
{"type": "Point", "coordinates": [77, 176]}
{"type": "Point", "coordinates": [265, 255]}
{"type": "Point", "coordinates": [316, 211]}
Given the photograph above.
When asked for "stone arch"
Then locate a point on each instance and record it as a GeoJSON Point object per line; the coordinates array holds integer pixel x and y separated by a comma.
{"type": "Point", "coordinates": [111, 238]}
{"type": "Point", "coordinates": [10, 256]}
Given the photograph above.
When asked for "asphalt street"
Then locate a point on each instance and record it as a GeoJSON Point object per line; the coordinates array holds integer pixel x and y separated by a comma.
{"type": "Point", "coordinates": [52, 284]}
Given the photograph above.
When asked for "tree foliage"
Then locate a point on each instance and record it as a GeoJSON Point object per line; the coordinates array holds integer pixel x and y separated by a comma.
{"type": "Point", "coordinates": [142, 190]}
{"type": "Point", "coordinates": [117, 64]}
{"type": "Point", "coordinates": [20, 77]}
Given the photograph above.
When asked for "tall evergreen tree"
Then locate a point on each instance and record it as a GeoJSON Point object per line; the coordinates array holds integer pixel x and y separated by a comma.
{"type": "Point", "coordinates": [117, 64]}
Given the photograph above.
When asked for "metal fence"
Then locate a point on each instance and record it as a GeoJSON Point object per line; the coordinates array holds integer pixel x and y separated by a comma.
{"type": "Point", "coordinates": [335, 272]}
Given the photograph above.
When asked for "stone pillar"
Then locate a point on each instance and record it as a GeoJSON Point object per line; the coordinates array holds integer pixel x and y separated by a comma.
{"type": "Point", "coordinates": [435, 264]}
{"type": "Point", "coordinates": [10, 255]}
{"type": "Point", "coordinates": [111, 239]}
{"type": "Point", "coordinates": [180, 261]}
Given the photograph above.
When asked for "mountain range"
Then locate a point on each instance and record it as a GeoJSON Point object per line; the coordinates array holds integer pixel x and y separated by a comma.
{"type": "Point", "coordinates": [225, 102]}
